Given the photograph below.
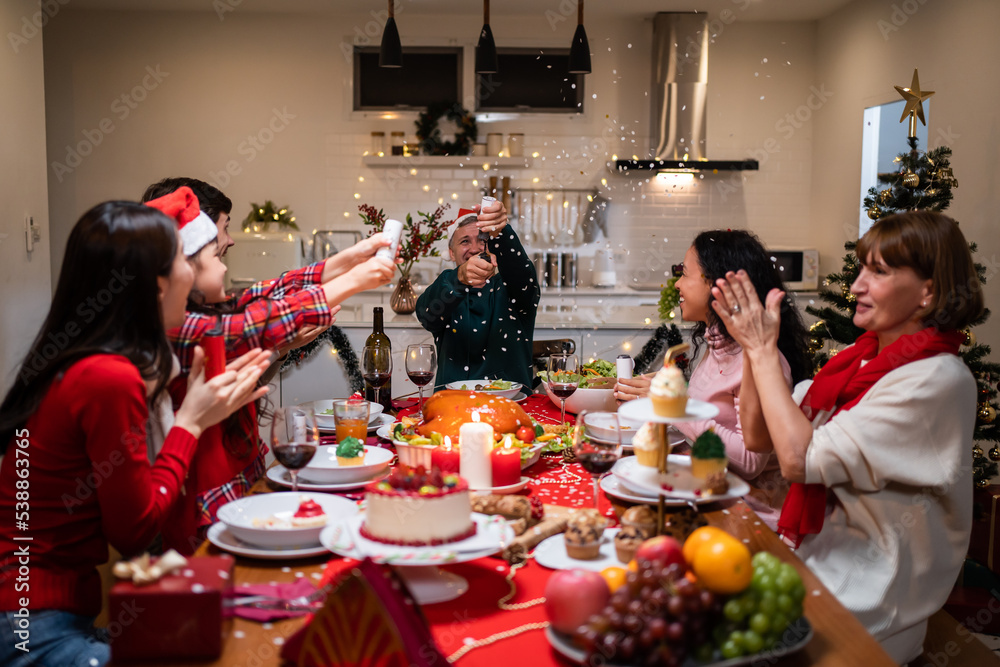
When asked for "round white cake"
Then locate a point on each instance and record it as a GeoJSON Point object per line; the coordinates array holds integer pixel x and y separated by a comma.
{"type": "Point", "coordinates": [417, 508]}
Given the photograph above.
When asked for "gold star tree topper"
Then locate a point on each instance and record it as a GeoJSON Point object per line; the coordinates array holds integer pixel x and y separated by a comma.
{"type": "Point", "coordinates": [914, 103]}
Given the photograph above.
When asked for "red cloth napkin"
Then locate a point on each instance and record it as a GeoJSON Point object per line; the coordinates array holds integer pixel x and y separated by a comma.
{"type": "Point", "coordinates": [283, 591]}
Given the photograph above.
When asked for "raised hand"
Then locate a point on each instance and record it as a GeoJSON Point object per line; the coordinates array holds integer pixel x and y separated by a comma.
{"type": "Point", "coordinates": [477, 271]}
{"type": "Point", "coordinates": [493, 219]}
{"type": "Point", "coordinates": [753, 325]}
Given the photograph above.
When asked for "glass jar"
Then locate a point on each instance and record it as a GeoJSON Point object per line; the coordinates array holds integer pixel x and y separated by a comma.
{"type": "Point", "coordinates": [378, 144]}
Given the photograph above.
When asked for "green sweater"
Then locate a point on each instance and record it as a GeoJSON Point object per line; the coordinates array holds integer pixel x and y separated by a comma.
{"type": "Point", "coordinates": [485, 332]}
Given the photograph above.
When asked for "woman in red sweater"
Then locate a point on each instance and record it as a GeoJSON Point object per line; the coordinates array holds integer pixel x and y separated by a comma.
{"type": "Point", "coordinates": [75, 474]}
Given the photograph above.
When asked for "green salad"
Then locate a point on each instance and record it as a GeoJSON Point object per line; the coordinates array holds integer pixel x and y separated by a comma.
{"type": "Point", "coordinates": [593, 374]}
{"type": "Point", "coordinates": [490, 385]}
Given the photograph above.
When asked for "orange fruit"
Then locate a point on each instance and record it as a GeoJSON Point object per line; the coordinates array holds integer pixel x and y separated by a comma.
{"type": "Point", "coordinates": [699, 538]}
{"type": "Point", "coordinates": [615, 576]}
{"type": "Point", "coordinates": [633, 565]}
{"type": "Point", "coordinates": [723, 566]}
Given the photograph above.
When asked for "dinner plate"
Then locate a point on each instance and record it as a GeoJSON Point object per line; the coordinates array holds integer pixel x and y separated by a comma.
{"type": "Point", "coordinates": [678, 480]}
{"type": "Point", "coordinates": [551, 553]}
{"type": "Point", "coordinates": [796, 636]}
{"type": "Point", "coordinates": [264, 519]}
{"type": "Point", "coordinates": [469, 385]}
{"type": "Point", "coordinates": [613, 486]}
{"type": "Point", "coordinates": [280, 475]}
{"type": "Point", "coordinates": [641, 409]}
{"type": "Point", "coordinates": [492, 533]}
{"type": "Point", "coordinates": [220, 536]}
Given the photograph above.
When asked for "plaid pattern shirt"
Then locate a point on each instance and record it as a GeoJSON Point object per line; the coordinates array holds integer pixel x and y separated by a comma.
{"type": "Point", "coordinates": [268, 315]}
{"type": "Point", "coordinates": [210, 501]}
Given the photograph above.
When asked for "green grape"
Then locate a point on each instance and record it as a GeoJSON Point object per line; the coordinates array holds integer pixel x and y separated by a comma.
{"type": "Point", "coordinates": [733, 610]}
{"type": "Point", "coordinates": [759, 623]}
{"type": "Point", "coordinates": [798, 592]}
{"type": "Point", "coordinates": [730, 650]}
{"type": "Point", "coordinates": [787, 578]}
{"type": "Point", "coordinates": [762, 558]}
{"type": "Point", "coordinates": [736, 637]}
{"type": "Point", "coordinates": [704, 653]}
{"type": "Point", "coordinates": [786, 604]}
{"type": "Point", "coordinates": [779, 622]}
{"type": "Point", "coordinates": [762, 581]}
{"type": "Point", "coordinates": [768, 603]}
{"type": "Point", "coordinates": [752, 642]}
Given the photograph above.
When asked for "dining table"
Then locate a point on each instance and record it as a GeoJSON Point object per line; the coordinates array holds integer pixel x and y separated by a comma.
{"type": "Point", "coordinates": [501, 619]}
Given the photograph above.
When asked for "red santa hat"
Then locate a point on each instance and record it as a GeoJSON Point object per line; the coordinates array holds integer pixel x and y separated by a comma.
{"type": "Point", "coordinates": [465, 215]}
{"type": "Point", "coordinates": [197, 229]}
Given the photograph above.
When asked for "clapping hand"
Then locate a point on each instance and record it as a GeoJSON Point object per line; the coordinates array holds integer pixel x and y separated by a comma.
{"type": "Point", "coordinates": [753, 325]}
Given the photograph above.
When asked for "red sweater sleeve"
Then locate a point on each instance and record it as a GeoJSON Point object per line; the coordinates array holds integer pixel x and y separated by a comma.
{"type": "Point", "coordinates": [135, 496]}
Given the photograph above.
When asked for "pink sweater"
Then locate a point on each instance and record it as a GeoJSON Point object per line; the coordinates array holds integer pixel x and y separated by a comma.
{"type": "Point", "coordinates": [716, 379]}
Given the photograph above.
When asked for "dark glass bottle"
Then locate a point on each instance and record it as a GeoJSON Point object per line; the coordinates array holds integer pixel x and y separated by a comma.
{"type": "Point", "coordinates": [377, 338]}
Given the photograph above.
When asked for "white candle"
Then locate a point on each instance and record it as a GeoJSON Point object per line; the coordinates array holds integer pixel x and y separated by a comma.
{"type": "Point", "coordinates": [475, 441]}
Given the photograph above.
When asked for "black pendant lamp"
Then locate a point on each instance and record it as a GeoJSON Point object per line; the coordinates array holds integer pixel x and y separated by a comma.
{"type": "Point", "coordinates": [486, 51]}
{"type": "Point", "coordinates": [579, 52]}
{"type": "Point", "coordinates": [390, 53]}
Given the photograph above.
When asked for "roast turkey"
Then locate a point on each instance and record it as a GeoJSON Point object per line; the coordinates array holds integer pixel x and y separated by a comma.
{"type": "Point", "coordinates": [448, 409]}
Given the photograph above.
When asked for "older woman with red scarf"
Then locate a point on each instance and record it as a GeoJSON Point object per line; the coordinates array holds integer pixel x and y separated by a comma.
{"type": "Point", "coordinates": [878, 446]}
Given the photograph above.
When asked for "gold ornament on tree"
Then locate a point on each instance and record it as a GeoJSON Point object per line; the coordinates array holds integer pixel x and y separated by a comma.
{"type": "Point", "coordinates": [970, 337]}
{"type": "Point", "coordinates": [977, 452]}
{"type": "Point", "coordinates": [874, 213]}
{"type": "Point", "coordinates": [911, 180]}
{"type": "Point", "coordinates": [995, 453]}
{"type": "Point", "coordinates": [914, 103]}
{"type": "Point", "coordinates": [885, 196]}
{"type": "Point", "coordinates": [982, 483]}
{"type": "Point", "coordinates": [986, 413]}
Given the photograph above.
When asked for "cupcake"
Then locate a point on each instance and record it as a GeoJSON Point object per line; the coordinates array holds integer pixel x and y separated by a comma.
{"type": "Point", "coordinates": [583, 536]}
{"type": "Point", "coordinates": [647, 445]}
{"type": "Point", "coordinates": [350, 452]}
{"type": "Point", "coordinates": [641, 517]}
{"type": "Point", "coordinates": [708, 455]}
{"type": "Point", "coordinates": [627, 541]}
{"type": "Point", "coordinates": [669, 392]}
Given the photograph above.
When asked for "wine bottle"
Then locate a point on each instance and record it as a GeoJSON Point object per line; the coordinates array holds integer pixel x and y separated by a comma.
{"type": "Point", "coordinates": [378, 338]}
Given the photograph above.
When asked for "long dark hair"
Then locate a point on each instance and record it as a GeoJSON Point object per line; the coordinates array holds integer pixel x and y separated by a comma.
{"type": "Point", "coordinates": [105, 303]}
{"type": "Point", "coordinates": [720, 251]}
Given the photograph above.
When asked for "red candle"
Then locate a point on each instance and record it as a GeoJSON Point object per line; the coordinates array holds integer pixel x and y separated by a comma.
{"type": "Point", "coordinates": [446, 457]}
{"type": "Point", "coordinates": [506, 463]}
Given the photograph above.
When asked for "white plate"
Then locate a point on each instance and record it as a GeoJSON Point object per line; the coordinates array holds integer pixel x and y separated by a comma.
{"type": "Point", "coordinates": [641, 409]}
{"type": "Point", "coordinates": [614, 487]}
{"type": "Point", "coordinates": [684, 485]}
{"type": "Point", "coordinates": [798, 634]}
{"type": "Point", "coordinates": [492, 533]}
{"type": "Point", "coordinates": [326, 422]}
{"type": "Point", "coordinates": [280, 475]}
{"type": "Point", "coordinates": [504, 490]}
{"type": "Point", "coordinates": [519, 396]}
{"type": "Point", "coordinates": [552, 554]}
{"type": "Point", "coordinates": [515, 388]}
{"type": "Point", "coordinates": [628, 449]}
{"type": "Point", "coordinates": [324, 468]}
{"type": "Point", "coordinates": [239, 515]}
{"type": "Point", "coordinates": [385, 431]}
{"type": "Point", "coordinates": [220, 536]}
{"type": "Point", "coordinates": [591, 400]}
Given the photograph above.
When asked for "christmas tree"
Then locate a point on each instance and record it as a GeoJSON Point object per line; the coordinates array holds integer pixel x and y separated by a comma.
{"type": "Point", "coordinates": [924, 181]}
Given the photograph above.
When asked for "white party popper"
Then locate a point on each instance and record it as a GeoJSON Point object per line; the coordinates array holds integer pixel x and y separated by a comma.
{"type": "Point", "coordinates": [475, 441]}
{"type": "Point", "coordinates": [392, 230]}
{"type": "Point", "coordinates": [625, 366]}
{"type": "Point", "coordinates": [484, 235]}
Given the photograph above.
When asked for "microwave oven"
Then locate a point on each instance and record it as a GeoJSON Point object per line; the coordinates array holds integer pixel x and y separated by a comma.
{"type": "Point", "coordinates": [798, 267]}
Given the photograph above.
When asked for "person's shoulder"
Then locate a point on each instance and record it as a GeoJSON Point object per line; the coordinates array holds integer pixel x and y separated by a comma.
{"type": "Point", "coordinates": [941, 374]}
{"type": "Point", "coordinates": [103, 371]}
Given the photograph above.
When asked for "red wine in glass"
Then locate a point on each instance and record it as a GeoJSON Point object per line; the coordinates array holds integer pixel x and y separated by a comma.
{"type": "Point", "coordinates": [420, 378]}
{"type": "Point", "coordinates": [377, 379]}
{"type": "Point", "coordinates": [597, 462]}
{"type": "Point", "coordinates": [562, 389]}
{"type": "Point", "coordinates": [294, 455]}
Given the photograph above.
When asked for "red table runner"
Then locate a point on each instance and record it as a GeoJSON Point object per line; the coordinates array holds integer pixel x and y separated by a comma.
{"type": "Point", "coordinates": [501, 604]}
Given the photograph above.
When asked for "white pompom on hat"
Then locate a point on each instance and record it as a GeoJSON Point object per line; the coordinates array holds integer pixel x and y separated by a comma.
{"type": "Point", "coordinates": [196, 228]}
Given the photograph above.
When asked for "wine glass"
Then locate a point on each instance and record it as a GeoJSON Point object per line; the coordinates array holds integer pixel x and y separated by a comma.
{"type": "Point", "coordinates": [421, 362]}
{"type": "Point", "coordinates": [563, 378]}
{"type": "Point", "coordinates": [597, 443]}
{"type": "Point", "coordinates": [376, 367]}
{"type": "Point", "coordinates": [294, 438]}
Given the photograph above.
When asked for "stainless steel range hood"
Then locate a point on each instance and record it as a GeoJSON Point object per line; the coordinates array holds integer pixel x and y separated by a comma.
{"type": "Point", "coordinates": [680, 98]}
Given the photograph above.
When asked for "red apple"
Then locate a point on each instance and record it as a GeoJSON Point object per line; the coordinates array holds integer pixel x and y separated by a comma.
{"type": "Point", "coordinates": [662, 551]}
{"type": "Point", "coordinates": [573, 596]}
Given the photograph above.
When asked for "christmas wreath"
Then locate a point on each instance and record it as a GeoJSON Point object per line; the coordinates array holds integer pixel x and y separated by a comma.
{"type": "Point", "coordinates": [429, 134]}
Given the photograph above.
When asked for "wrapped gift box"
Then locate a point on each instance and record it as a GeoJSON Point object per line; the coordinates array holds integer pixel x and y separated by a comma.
{"type": "Point", "coordinates": [984, 547]}
{"type": "Point", "coordinates": [178, 616]}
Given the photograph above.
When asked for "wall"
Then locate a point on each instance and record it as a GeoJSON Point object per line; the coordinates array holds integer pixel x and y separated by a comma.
{"type": "Point", "coordinates": [865, 49]}
{"type": "Point", "coordinates": [25, 289]}
{"type": "Point", "coordinates": [220, 83]}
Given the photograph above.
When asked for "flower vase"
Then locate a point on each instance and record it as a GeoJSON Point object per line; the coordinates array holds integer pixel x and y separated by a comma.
{"type": "Point", "coordinates": [403, 300]}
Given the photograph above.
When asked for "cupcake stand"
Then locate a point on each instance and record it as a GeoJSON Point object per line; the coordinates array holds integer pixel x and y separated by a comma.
{"type": "Point", "coordinates": [642, 410]}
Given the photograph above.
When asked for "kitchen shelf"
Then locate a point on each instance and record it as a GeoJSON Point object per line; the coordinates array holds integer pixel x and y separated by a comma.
{"type": "Point", "coordinates": [457, 161]}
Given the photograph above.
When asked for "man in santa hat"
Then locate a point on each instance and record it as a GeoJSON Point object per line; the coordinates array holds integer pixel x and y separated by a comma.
{"type": "Point", "coordinates": [482, 313]}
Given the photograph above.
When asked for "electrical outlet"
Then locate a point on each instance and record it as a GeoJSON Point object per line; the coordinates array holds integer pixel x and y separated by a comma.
{"type": "Point", "coordinates": [31, 233]}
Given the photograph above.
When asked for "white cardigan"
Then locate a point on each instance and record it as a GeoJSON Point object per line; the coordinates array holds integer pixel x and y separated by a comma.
{"type": "Point", "coordinates": [899, 468]}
